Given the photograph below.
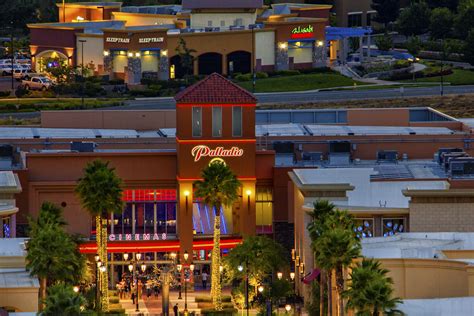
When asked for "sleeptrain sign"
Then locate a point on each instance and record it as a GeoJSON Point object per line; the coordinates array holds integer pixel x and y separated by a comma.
{"type": "Point", "coordinates": [117, 40]}
{"type": "Point", "coordinates": [204, 151]}
{"type": "Point", "coordinates": [129, 237]}
{"type": "Point", "coordinates": [302, 32]}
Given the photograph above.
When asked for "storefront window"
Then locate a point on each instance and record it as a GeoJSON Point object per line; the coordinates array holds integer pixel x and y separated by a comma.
{"type": "Point", "coordinates": [203, 219]}
{"type": "Point", "coordinates": [364, 227]}
{"type": "Point", "coordinates": [217, 121]}
{"type": "Point", "coordinates": [145, 212]}
{"type": "Point", "coordinates": [264, 211]}
{"type": "Point", "coordinates": [197, 121]}
{"type": "Point", "coordinates": [392, 226]}
{"type": "Point", "coordinates": [237, 121]}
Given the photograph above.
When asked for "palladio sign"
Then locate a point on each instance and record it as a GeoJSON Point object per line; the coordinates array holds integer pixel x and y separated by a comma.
{"type": "Point", "coordinates": [204, 151]}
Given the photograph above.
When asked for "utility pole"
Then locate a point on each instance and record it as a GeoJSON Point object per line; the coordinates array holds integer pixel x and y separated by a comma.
{"type": "Point", "coordinates": [82, 72]}
{"type": "Point", "coordinates": [13, 56]}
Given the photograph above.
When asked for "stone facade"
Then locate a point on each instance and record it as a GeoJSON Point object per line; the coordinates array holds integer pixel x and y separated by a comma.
{"type": "Point", "coordinates": [134, 70]}
{"type": "Point", "coordinates": [282, 61]}
{"type": "Point", "coordinates": [108, 64]}
{"type": "Point", "coordinates": [442, 217]}
{"type": "Point", "coordinates": [319, 56]}
{"type": "Point", "coordinates": [163, 68]}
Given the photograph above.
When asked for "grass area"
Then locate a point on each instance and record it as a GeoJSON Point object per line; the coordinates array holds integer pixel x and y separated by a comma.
{"type": "Point", "coordinates": [382, 87]}
{"type": "Point", "coordinates": [458, 77]}
{"type": "Point", "coordinates": [302, 82]}
{"type": "Point", "coordinates": [18, 122]}
{"type": "Point", "coordinates": [28, 105]}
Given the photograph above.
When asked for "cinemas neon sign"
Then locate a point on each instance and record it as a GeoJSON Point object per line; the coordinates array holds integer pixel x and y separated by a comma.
{"type": "Point", "coordinates": [130, 237]}
{"type": "Point", "coordinates": [204, 151]}
{"type": "Point", "coordinates": [302, 32]}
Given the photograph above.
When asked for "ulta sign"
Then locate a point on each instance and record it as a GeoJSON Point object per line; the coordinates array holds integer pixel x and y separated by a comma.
{"type": "Point", "coordinates": [302, 32]}
{"type": "Point", "coordinates": [200, 151]}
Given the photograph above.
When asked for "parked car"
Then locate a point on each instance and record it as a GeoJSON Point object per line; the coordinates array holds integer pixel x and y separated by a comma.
{"type": "Point", "coordinates": [24, 74]}
{"type": "Point", "coordinates": [37, 83]}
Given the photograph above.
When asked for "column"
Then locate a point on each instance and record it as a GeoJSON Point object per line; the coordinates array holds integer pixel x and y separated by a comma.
{"type": "Point", "coordinates": [185, 217]}
{"type": "Point", "coordinates": [13, 226]}
{"type": "Point", "coordinates": [281, 58]}
{"type": "Point", "coordinates": [368, 46]}
{"type": "Point", "coordinates": [164, 66]}
{"type": "Point", "coordinates": [361, 49]}
{"type": "Point", "coordinates": [1, 226]}
{"type": "Point", "coordinates": [134, 69]}
{"type": "Point", "coordinates": [224, 65]}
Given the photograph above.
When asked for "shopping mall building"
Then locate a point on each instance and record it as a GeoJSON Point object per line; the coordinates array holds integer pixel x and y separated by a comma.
{"type": "Point", "coordinates": [383, 165]}
{"type": "Point", "coordinates": [227, 37]}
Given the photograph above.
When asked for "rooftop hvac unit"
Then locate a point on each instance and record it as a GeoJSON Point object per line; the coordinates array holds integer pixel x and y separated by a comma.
{"type": "Point", "coordinates": [312, 156]}
{"type": "Point", "coordinates": [442, 151]}
{"type": "Point", "coordinates": [6, 150]}
{"type": "Point", "coordinates": [387, 156]}
{"type": "Point", "coordinates": [339, 147]}
{"type": "Point", "coordinates": [83, 147]}
{"type": "Point", "coordinates": [284, 147]}
{"type": "Point", "coordinates": [447, 157]}
{"type": "Point", "coordinates": [461, 167]}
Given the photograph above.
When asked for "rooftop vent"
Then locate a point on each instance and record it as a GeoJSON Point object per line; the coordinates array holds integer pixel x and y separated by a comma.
{"type": "Point", "coordinates": [387, 156]}
{"type": "Point", "coordinates": [83, 147]}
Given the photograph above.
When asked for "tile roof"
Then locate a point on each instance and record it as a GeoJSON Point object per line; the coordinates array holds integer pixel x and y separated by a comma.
{"type": "Point", "coordinates": [215, 89]}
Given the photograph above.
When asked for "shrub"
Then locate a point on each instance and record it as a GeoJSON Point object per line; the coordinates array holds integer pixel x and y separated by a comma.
{"type": "Point", "coordinates": [288, 72]}
{"type": "Point", "coordinates": [147, 93]}
{"type": "Point", "coordinates": [21, 92]}
{"type": "Point", "coordinates": [224, 312]}
{"type": "Point", "coordinates": [4, 94]}
{"type": "Point", "coordinates": [245, 77]}
{"type": "Point", "coordinates": [400, 64]}
{"type": "Point", "coordinates": [261, 75]}
{"type": "Point", "coordinates": [114, 300]}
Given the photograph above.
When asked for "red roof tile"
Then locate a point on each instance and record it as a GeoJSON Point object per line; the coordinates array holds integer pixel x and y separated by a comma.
{"type": "Point", "coordinates": [215, 89]}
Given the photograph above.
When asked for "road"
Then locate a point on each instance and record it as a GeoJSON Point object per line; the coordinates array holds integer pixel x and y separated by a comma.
{"type": "Point", "coordinates": [316, 96]}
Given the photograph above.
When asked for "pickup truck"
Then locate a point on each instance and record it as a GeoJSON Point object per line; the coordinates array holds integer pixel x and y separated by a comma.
{"type": "Point", "coordinates": [37, 83]}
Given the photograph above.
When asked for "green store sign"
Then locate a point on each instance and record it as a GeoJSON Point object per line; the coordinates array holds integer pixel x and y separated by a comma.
{"type": "Point", "coordinates": [300, 30]}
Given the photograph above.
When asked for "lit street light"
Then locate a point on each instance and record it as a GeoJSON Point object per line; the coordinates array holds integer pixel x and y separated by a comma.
{"type": "Point", "coordinates": [132, 269]}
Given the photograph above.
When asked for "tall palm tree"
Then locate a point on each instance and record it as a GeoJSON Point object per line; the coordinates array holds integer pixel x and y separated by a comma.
{"type": "Point", "coordinates": [219, 187]}
{"type": "Point", "coordinates": [321, 211]}
{"type": "Point", "coordinates": [370, 290]}
{"type": "Point", "coordinates": [100, 193]}
{"type": "Point", "coordinates": [52, 255]}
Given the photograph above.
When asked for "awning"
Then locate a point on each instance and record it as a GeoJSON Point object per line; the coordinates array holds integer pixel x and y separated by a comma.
{"type": "Point", "coordinates": [307, 279]}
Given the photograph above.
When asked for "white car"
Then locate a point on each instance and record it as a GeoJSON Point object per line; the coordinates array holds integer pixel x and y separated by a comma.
{"type": "Point", "coordinates": [24, 74]}
{"type": "Point", "coordinates": [37, 83]}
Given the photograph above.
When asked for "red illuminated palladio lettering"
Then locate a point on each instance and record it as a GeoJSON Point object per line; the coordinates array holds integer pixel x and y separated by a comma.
{"type": "Point", "coordinates": [204, 151]}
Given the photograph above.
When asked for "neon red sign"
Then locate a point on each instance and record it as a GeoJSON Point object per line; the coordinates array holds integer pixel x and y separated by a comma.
{"type": "Point", "coordinates": [204, 151]}
{"type": "Point", "coordinates": [302, 32]}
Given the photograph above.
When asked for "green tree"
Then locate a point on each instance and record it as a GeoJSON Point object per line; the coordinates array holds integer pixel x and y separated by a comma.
{"type": "Point", "coordinates": [100, 193]}
{"type": "Point", "coordinates": [219, 187]}
{"type": "Point", "coordinates": [62, 300]}
{"type": "Point", "coordinates": [336, 247]}
{"type": "Point", "coordinates": [52, 255]}
{"type": "Point", "coordinates": [387, 11]}
{"type": "Point", "coordinates": [414, 45]}
{"type": "Point", "coordinates": [384, 42]}
{"type": "Point", "coordinates": [370, 290]}
{"type": "Point", "coordinates": [415, 19]}
{"type": "Point", "coordinates": [464, 5]}
{"type": "Point", "coordinates": [59, 70]}
{"type": "Point", "coordinates": [441, 23]}
{"type": "Point", "coordinates": [186, 56]}
{"type": "Point", "coordinates": [451, 5]}
{"type": "Point", "coordinates": [259, 256]}
{"type": "Point", "coordinates": [464, 22]}
{"type": "Point", "coordinates": [469, 48]}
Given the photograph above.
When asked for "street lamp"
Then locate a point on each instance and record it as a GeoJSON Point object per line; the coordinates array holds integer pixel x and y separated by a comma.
{"type": "Point", "coordinates": [132, 269]}
{"type": "Point", "coordinates": [279, 275]}
{"type": "Point", "coordinates": [98, 264]}
{"type": "Point", "coordinates": [82, 70]}
{"type": "Point", "coordinates": [241, 268]}
{"type": "Point", "coordinates": [288, 308]}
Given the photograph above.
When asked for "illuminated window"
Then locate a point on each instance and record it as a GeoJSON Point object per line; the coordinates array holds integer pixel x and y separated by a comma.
{"type": "Point", "coordinates": [364, 227]}
{"type": "Point", "coordinates": [197, 121]}
{"type": "Point", "coordinates": [264, 210]}
{"type": "Point", "coordinates": [392, 226]}
{"type": "Point", "coordinates": [172, 72]}
{"type": "Point", "coordinates": [217, 121]}
{"type": "Point", "coordinates": [237, 121]}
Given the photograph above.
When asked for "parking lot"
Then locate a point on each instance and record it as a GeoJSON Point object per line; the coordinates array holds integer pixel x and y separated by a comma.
{"type": "Point", "coordinates": [6, 83]}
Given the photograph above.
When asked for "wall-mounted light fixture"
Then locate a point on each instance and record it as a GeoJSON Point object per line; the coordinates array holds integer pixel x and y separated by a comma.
{"type": "Point", "coordinates": [248, 192]}
{"type": "Point", "coordinates": [186, 194]}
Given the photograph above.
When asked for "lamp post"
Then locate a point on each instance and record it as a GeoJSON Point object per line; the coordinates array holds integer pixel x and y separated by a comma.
{"type": "Point", "coordinates": [241, 268]}
{"type": "Point", "coordinates": [98, 264]}
{"type": "Point", "coordinates": [132, 269]}
{"type": "Point", "coordinates": [13, 55]}
{"type": "Point", "coordinates": [82, 70]}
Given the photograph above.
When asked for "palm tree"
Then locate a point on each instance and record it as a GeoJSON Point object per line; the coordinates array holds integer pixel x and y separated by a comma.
{"type": "Point", "coordinates": [52, 255]}
{"type": "Point", "coordinates": [62, 300]}
{"type": "Point", "coordinates": [370, 290]}
{"type": "Point", "coordinates": [219, 187]}
{"type": "Point", "coordinates": [321, 211]}
{"type": "Point", "coordinates": [100, 193]}
{"type": "Point", "coordinates": [335, 248]}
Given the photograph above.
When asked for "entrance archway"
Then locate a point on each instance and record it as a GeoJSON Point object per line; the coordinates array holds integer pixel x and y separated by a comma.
{"type": "Point", "coordinates": [49, 58]}
{"type": "Point", "coordinates": [239, 61]}
{"type": "Point", "coordinates": [210, 63]}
